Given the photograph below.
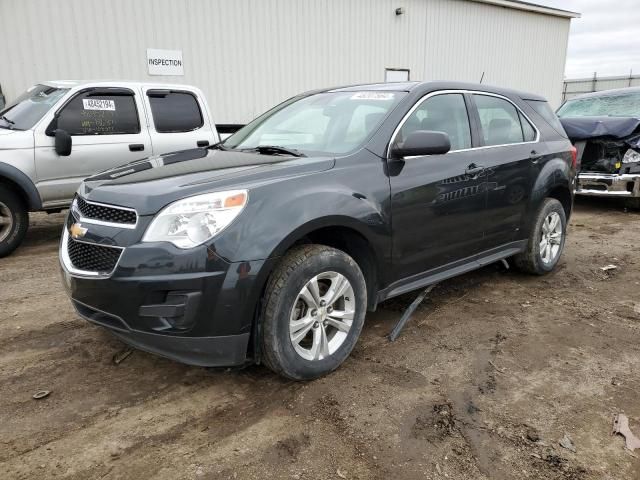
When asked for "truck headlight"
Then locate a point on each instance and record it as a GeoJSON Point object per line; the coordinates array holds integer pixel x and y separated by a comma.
{"type": "Point", "coordinates": [631, 156]}
{"type": "Point", "coordinates": [194, 220]}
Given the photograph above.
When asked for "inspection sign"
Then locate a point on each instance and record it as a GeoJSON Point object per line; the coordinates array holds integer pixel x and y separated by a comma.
{"type": "Point", "coordinates": [164, 62]}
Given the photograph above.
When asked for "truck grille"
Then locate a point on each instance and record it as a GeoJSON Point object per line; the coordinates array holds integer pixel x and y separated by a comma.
{"type": "Point", "coordinates": [91, 257]}
{"type": "Point", "coordinates": [104, 213]}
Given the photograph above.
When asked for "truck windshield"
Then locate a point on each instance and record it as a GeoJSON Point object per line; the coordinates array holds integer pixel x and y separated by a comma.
{"type": "Point", "coordinates": [625, 105]}
{"type": "Point", "coordinates": [329, 123]}
{"type": "Point", "coordinates": [30, 107]}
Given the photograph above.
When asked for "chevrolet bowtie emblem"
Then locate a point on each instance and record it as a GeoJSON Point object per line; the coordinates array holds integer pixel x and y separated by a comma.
{"type": "Point", "coordinates": [77, 230]}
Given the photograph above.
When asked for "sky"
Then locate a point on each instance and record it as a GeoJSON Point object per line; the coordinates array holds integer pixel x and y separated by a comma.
{"type": "Point", "coordinates": [605, 40]}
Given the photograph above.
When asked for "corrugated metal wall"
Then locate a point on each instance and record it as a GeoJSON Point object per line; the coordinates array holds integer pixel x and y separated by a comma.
{"type": "Point", "coordinates": [248, 55]}
{"type": "Point", "coordinates": [575, 87]}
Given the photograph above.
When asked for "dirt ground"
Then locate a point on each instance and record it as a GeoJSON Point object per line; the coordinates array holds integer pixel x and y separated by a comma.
{"type": "Point", "coordinates": [485, 380]}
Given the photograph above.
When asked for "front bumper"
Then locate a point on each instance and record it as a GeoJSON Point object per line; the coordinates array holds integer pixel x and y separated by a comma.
{"type": "Point", "coordinates": [609, 185]}
{"type": "Point", "coordinates": [219, 351]}
{"type": "Point", "coordinates": [188, 305]}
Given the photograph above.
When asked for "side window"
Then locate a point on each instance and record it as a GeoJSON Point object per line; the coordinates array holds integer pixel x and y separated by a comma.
{"type": "Point", "coordinates": [94, 114]}
{"type": "Point", "coordinates": [442, 113]}
{"type": "Point", "coordinates": [175, 111]}
{"type": "Point", "coordinates": [527, 129]}
{"type": "Point", "coordinates": [499, 120]}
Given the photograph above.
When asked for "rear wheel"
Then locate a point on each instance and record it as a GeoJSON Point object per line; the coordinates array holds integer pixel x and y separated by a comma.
{"type": "Point", "coordinates": [14, 221]}
{"type": "Point", "coordinates": [546, 239]}
{"type": "Point", "coordinates": [315, 304]}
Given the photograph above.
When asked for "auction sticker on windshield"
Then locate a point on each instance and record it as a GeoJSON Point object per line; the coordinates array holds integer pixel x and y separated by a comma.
{"type": "Point", "coordinates": [372, 96]}
{"type": "Point", "coordinates": [96, 104]}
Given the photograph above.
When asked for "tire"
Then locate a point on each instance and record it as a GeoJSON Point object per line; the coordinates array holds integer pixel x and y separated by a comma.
{"type": "Point", "coordinates": [633, 203]}
{"type": "Point", "coordinates": [284, 302]}
{"type": "Point", "coordinates": [14, 220]}
{"type": "Point", "coordinates": [532, 260]}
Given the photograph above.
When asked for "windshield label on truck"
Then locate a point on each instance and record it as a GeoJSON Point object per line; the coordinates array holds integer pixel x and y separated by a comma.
{"type": "Point", "coordinates": [96, 104]}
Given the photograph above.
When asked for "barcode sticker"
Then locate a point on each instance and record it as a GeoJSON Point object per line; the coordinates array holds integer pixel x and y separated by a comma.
{"type": "Point", "coordinates": [96, 104]}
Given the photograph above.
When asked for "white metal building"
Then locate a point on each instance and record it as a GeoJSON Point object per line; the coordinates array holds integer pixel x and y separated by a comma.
{"type": "Point", "coordinates": [248, 55]}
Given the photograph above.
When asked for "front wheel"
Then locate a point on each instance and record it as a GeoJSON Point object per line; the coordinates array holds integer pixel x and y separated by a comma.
{"type": "Point", "coordinates": [633, 203]}
{"type": "Point", "coordinates": [314, 309]}
{"type": "Point", "coordinates": [546, 239]}
{"type": "Point", "coordinates": [14, 221]}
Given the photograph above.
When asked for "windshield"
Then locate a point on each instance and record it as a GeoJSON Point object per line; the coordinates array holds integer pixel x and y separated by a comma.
{"type": "Point", "coordinates": [330, 123]}
{"type": "Point", "coordinates": [626, 105]}
{"type": "Point", "coordinates": [30, 107]}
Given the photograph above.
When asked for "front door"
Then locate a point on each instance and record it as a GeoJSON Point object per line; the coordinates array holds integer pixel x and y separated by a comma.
{"type": "Point", "coordinates": [107, 128]}
{"type": "Point", "coordinates": [438, 201]}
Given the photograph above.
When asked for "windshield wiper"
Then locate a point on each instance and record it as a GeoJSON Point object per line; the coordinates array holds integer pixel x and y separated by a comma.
{"type": "Point", "coordinates": [8, 120]}
{"type": "Point", "coordinates": [219, 146]}
{"type": "Point", "coordinates": [275, 150]}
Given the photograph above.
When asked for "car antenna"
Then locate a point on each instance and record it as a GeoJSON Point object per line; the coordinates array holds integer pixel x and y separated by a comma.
{"type": "Point", "coordinates": [482, 77]}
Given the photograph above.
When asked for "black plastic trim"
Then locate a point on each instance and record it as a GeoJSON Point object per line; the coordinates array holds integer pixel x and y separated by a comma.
{"type": "Point", "coordinates": [451, 270]}
{"type": "Point", "coordinates": [34, 202]}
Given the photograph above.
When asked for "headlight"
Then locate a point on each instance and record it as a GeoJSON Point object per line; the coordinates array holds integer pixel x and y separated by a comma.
{"type": "Point", "coordinates": [631, 156]}
{"type": "Point", "coordinates": [194, 220]}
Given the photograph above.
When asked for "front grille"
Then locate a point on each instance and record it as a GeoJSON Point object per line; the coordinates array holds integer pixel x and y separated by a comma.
{"type": "Point", "coordinates": [91, 257]}
{"type": "Point", "coordinates": [103, 213]}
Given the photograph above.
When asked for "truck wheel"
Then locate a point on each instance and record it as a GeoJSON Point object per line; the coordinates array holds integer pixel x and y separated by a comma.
{"type": "Point", "coordinates": [314, 309]}
{"type": "Point", "coordinates": [14, 221]}
{"type": "Point", "coordinates": [633, 203]}
{"type": "Point", "coordinates": [546, 239]}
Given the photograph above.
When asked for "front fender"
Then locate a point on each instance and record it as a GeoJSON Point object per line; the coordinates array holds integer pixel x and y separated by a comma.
{"type": "Point", "coordinates": [280, 213]}
{"type": "Point", "coordinates": [272, 226]}
{"type": "Point", "coordinates": [22, 181]}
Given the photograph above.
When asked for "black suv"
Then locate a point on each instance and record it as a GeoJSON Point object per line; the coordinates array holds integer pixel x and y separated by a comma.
{"type": "Point", "coordinates": [271, 246]}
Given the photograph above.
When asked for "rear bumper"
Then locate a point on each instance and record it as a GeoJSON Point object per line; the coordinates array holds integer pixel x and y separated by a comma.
{"type": "Point", "coordinates": [609, 185]}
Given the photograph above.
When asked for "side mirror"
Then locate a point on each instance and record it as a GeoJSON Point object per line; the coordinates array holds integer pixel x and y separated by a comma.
{"type": "Point", "coordinates": [423, 142]}
{"type": "Point", "coordinates": [63, 143]}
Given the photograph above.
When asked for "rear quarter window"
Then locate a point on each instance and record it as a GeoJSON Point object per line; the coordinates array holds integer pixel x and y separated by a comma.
{"type": "Point", "coordinates": [543, 109]}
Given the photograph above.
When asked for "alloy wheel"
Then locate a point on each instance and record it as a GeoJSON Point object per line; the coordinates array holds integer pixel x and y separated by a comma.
{"type": "Point", "coordinates": [322, 316]}
{"type": "Point", "coordinates": [551, 239]}
{"type": "Point", "coordinates": [6, 221]}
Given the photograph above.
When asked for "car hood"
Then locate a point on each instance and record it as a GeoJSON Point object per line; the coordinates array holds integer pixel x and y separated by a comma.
{"type": "Point", "coordinates": [583, 128]}
{"type": "Point", "coordinates": [150, 184]}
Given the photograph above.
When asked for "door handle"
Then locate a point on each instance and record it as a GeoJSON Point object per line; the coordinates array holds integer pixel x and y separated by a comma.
{"type": "Point", "coordinates": [474, 170]}
{"type": "Point", "coordinates": [202, 143]}
{"type": "Point", "coordinates": [136, 147]}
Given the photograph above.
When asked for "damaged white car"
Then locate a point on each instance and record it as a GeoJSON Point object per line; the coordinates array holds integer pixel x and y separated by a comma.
{"type": "Point", "coordinates": [605, 129]}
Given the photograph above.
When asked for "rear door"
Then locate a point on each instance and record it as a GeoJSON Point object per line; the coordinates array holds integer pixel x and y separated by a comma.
{"type": "Point", "coordinates": [108, 129]}
{"type": "Point", "coordinates": [438, 201]}
{"type": "Point", "coordinates": [178, 120]}
{"type": "Point", "coordinates": [511, 151]}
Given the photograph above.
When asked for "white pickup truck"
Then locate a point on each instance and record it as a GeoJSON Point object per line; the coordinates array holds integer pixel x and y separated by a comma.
{"type": "Point", "coordinates": [58, 133]}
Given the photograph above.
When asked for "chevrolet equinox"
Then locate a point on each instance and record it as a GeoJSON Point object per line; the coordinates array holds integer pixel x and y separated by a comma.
{"type": "Point", "coordinates": [271, 246]}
